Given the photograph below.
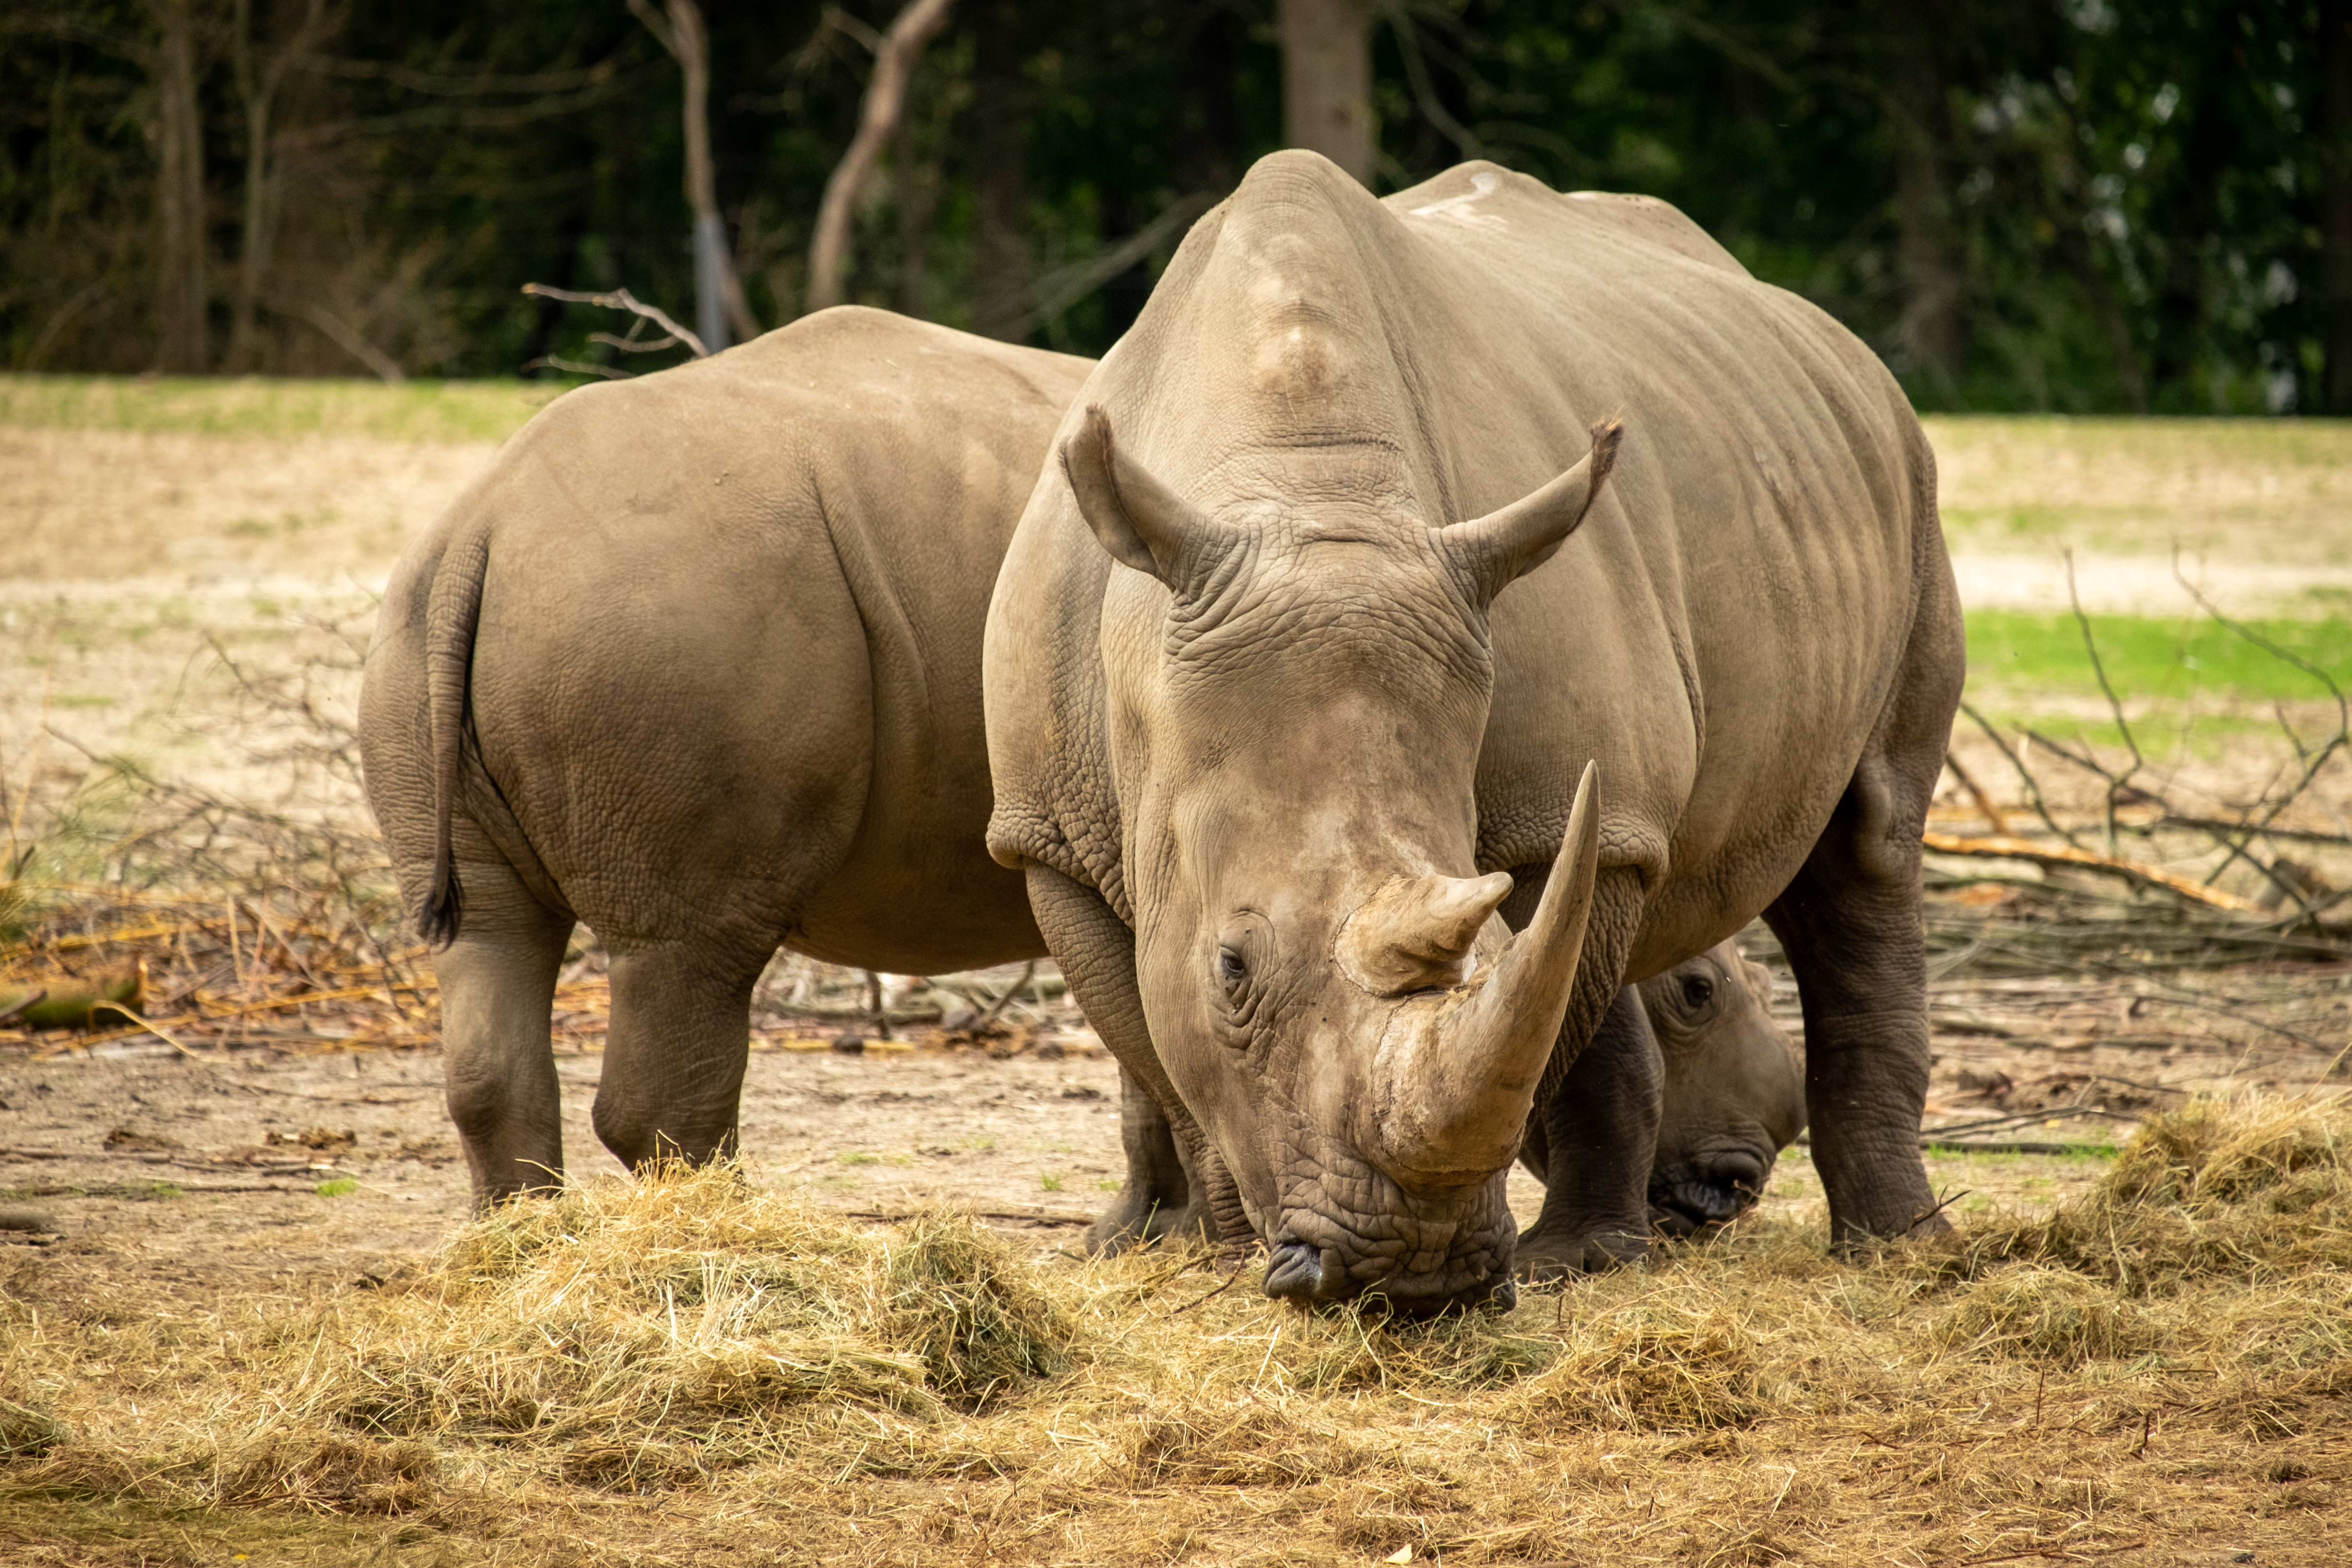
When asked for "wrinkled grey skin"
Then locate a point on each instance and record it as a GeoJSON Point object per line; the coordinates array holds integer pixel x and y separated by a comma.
{"type": "Point", "coordinates": [696, 663]}
{"type": "Point", "coordinates": [1735, 1089]}
{"type": "Point", "coordinates": [1733, 1098]}
{"type": "Point", "coordinates": [1305, 643]}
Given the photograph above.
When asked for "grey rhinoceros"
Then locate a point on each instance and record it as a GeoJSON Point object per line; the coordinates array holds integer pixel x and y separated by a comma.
{"type": "Point", "coordinates": [1734, 1089]}
{"type": "Point", "coordinates": [697, 663]}
{"type": "Point", "coordinates": [1297, 767]}
{"type": "Point", "coordinates": [1732, 1096]}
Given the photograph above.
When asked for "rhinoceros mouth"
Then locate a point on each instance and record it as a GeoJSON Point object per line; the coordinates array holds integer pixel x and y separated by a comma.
{"type": "Point", "coordinates": [1348, 1233]}
{"type": "Point", "coordinates": [1686, 1203]}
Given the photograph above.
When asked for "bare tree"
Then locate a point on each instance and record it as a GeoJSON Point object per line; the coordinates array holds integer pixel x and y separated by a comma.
{"type": "Point", "coordinates": [718, 293]}
{"type": "Point", "coordinates": [1327, 80]}
{"type": "Point", "coordinates": [999, 173]}
{"type": "Point", "coordinates": [180, 295]}
{"type": "Point", "coordinates": [886, 99]}
{"type": "Point", "coordinates": [259, 75]}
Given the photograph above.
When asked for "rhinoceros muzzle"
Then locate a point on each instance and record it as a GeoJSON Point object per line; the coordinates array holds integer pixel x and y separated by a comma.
{"type": "Point", "coordinates": [1305, 1275]}
{"type": "Point", "coordinates": [1712, 1190]}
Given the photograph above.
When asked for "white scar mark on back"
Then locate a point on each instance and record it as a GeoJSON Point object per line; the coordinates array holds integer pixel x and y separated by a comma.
{"type": "Point", "coordinates": [1483, 183]}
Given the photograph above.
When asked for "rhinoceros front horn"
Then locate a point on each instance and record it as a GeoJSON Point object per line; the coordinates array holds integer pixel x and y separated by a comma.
{"type": "Point", "coordinates": [1453, 1081]}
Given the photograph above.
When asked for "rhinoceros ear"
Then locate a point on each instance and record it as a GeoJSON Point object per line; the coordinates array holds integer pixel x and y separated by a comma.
{"type": "Point", "coordinates": [1503, 545]}
{"type": "Point", "coordinates": [1140, 520]}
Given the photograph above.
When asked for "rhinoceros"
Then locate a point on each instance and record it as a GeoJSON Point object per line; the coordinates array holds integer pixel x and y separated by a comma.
{"type": "Point", "coordinates": [1732, 1097]}
{"type": "Point", "coordinates": [1734, 1089]}
{"type": "Point", "coordinates": [697, 663]}
{"type": "Point", "coordinates": [1363, 729]}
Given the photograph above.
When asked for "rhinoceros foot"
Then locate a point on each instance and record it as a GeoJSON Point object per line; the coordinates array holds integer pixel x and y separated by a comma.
{"type": "Point", "coordinates": [1544, 1258]}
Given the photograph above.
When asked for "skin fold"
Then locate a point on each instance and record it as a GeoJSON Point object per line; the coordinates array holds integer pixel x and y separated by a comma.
{"type": "Point", "coordinates": [1444, 612]}
{"type": "Point", "coordinates": [696, 663]}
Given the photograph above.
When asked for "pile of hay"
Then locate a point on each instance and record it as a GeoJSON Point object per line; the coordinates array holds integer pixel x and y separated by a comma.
{"type": "Point", "coordinates": [683, 1325]}
{"type": "Point", "coordinates": [2161, 1363]}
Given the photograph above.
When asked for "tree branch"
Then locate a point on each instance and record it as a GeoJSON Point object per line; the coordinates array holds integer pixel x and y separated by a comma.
{"type": "Point", "coordinates": [622, 299]}
{"type": "Point", "coordinates": [886, 99]}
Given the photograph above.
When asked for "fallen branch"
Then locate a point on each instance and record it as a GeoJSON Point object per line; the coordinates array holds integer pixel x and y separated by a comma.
{"type": "Point", "coordinates": [1950, 1145]}
{"type": "Point", "coordinates": [1992, 848]}
{"type": "Point", "coordinates": [1991, 813]}
{"type": "Point", "coordinates": [2259, 830]}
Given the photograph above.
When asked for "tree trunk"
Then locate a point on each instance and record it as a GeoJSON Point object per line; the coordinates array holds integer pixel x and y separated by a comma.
{"type": "Point", "coordinates": [1000, 108]}
{"type": "Point", "coordinates": [1327, 80]}
{"type": "Point", "coordinates": [179, 195]}
{"type": "Point", "coordinates": [2335, 203]}
{"type": "Point", "coordinates": [718, 298]}
{"type": "Point", "coordinates": [1933, 330]}
{"type": "Point", "coordinates": [886, 100]}
{"type": "Point", "coordinates": [258, 85]}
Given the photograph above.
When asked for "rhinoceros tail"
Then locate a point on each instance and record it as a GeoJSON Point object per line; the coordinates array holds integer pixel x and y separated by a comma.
{"type": "Point", "coordinates": [452, 617]}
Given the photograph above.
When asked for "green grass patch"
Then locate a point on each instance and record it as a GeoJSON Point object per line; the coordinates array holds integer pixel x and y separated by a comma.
{"type": "Point", "coordinates": [271, 408]}
{"type": "Point", "coordinates": [2155, 657]}
{"type": "Point", "coordinates": [341, 1187]}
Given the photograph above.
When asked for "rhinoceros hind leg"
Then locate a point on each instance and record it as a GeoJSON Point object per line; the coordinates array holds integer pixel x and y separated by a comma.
{"type": "Point", "coordinates": [1851, 926]}
{"type": "Point", "coordinates": [680, 1038]}
{"type": "Point", "coordinates": [1599, 1136]}
{"type": "Point", "coordinates": [498, 987]}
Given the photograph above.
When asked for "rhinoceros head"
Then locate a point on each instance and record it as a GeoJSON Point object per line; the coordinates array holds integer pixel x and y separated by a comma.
{"type": "Point", "coordinates": [1734, 1092]}
{"type": "Point", "coordinates": [1295, 725]}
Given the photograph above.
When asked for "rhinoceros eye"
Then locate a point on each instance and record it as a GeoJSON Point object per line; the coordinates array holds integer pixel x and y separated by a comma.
{"type": "Point", "coordinates": [1231, 969]}
{"type": "Point", "coordinates": [1697, 991]}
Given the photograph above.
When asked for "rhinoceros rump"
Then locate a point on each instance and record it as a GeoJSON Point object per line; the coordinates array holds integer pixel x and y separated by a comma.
{"type": "Point", "coordinates": [1302, 651]}
{"type": "Point", "coordinates": [697, 663]}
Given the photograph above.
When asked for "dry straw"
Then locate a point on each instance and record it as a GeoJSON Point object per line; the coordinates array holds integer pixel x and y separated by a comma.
{"type": "Point", "coordinates": [2161, 1363]}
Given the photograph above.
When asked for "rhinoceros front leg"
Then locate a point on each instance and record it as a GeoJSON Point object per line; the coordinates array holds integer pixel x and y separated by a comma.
{"type": "Point", "coordinates": [1594, 1129]}
{"type": "Point", "coordinates": [1599, 1136]}
{"type": "Point", "coordinates": [1097, 952]}
{"type": "Point", "coordinates": [1156, 1200]}
{"type": "Point", "coordinates": [498, 989]}
{"type": "Point", "coordinates": [672, 1084]}
{"type": "Point", "coordinates": [1851, 926]}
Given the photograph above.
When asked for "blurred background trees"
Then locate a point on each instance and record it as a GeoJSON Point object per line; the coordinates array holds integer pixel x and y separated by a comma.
{"type": "Point", "coordinates": [2064, 204]}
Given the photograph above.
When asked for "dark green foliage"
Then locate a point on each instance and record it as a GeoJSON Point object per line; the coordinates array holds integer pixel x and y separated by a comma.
{"type": "Point", "coordinates": [2105, 206]}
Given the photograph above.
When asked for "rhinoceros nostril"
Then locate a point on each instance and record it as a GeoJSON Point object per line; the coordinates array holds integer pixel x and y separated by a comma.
{"type": "Point", "coordinates": [1733, 1167]}
{"type": "Point", "coordinates": [1294, 1272]}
